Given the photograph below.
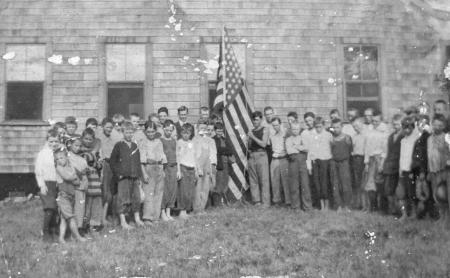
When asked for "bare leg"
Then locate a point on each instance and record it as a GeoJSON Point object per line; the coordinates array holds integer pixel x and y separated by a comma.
{"type": "Point", "coordinates": [62, 230]}
{"type": "Point", "coordinates": [74, 230]}
{"type": "Point", "coordinates": [123, 222]}
{"type": "Point", "coordinates": [137, 219]}
{"type": "Point", "coordinates": [402, 205]}
{"type": "Point", "coordinates": [168, 214]}
{"type": "Point", "coordinates": [105, 212]}
{"type": "Point", "coordinates": [183, 214]}
{"type": "Point", "coordinates": [164, 216]}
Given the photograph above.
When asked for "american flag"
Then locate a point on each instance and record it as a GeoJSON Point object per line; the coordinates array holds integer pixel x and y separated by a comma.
{"type": "Point", "coordinates": [232, 97]}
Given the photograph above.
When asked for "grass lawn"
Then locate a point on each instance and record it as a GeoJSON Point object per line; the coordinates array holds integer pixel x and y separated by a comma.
{"type": "Point", "coordinates": [232, 242]}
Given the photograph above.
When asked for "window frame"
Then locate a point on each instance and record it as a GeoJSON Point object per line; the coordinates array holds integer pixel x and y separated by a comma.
{"type": "Point", "coordinates": [129, 84]}
{"type": "Point", "coordinates": [46, 90]}
{"type": "Point", "coordinates": [204, 82]}
{"type": "Point", "coordinates": [341, 65]}
{"type": "Point", "coordinates": [103, 82]}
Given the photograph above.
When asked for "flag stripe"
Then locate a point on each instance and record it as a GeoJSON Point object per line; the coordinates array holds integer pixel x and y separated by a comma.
{"type": "Point", "coordinates": [237, 151]}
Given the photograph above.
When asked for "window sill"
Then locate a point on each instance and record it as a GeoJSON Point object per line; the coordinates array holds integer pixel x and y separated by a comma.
{"type": "Point", "coordinates": [24, 123]}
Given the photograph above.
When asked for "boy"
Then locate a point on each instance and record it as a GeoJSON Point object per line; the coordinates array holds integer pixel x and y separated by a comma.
{"type": "Point", "coordinates": [125, 164]}
{"type": "Point", "coordinates": [67, 180]}
{"type": "Point", "coordinates": [341, 149]}
{"type": "Point", "coordinates": [81, 167]}
{"type": "Point", "coordinates": [139, 135]}
{"type": "Point", "coordinates": [92, 123]}
{"type": "Point", "coordinates": [225, 159]}
{"type": "Point", "coordinates": [298, 173]}
{"type": "Point", "coordinates": [71, 127]}
{"type": "Point", "coordinates": [187, 170]}
{"type": "Point", "coordinates": [108, 139]}
{"type": "Point", "coordinates": [170, 170]}
{"type": "Point", "coordinates": [118, 120]}
{"type": "Point", "coordinates": [375, 153]}
{"type": "Point", "coordinates": [438, 154]}
{"type": "Point", "coordinates": [391, 167]}
{"type": "Point", "coordinates": [320, 155]}
{"type": "Point", "coordinates": [46, 179]}
{"type": "Point", "coordinates": [359, 138]}
{"type": "Point", "coordinates": [182, 119]}
{"type": "Point", "coordinates": [258, 163]}
{"type": "Point", "coordinates": [279, 166]}
{"type": "Point", "coordinates": [406, 193]}
{"type": "Point", "coordinates": [207, 161]}
{"type": "Point", "coordinates": [152, 160]}
{"type": "Point", "coordinates": [90, 151]}
{"type": "Point", "coordinates": [419, 167]}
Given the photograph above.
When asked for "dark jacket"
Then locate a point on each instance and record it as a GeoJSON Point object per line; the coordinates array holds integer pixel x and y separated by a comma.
{"type": "Point", "coordinates": [223, 149]}
{"type": "Point", "coordinates": [420, 157]}
{"type": "Point", "coordinates": [392, 162]}
{"type": "Point", "coordinates": [126, 161]}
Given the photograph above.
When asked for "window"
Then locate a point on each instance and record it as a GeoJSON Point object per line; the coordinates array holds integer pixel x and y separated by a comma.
{"type": "Point", "coordinates": [361, 78]}
{"type": "Point", "coordinates": [212, 52]}
{"type": "Point", "coordinates": [125, 75]}
{"type": "Point", "coordinates": [25, 75]}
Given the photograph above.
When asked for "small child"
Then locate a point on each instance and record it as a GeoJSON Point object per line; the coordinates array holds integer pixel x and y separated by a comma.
{"type": "Point", "coordinates": [170, 170]}
{"type": "Point", "coordinates": [67, 180]}
{"type": "Point", "coordinates": [46, 179]}
{"type": "Point", "coordinates": [359, 139]}
{"type": "Point", "coordinates": [438, 154]}
{"type": "Point", "coordinates": [406, 190]}
{"type": "Point", "coordinates": [207, 160]}
{"type": "Point", "coordinates": [187, 170]}
{"type": "Point", "coordinates": [152, 160]}
{"type": "Point", "coordinates": [125, 163]}
{"type": "Point", "coordinates": [225, 159]}
{"type": "Point", "coordinates": [341, 149]}
{"type": "Point", "coordinates": [60, 127]}
{"type": "Point", "coordinates": [81, 167]}
{"type": "Point", "coordinates": [391, 167]}
{"type": "Point", "coordinates": [90, 151]}
{"type": "Point", "coordinates": [320, 155]}
{"type": "Point", "coordinates": [300, 191]}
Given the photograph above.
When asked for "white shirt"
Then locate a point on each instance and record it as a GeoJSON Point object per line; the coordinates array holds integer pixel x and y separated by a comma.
{"type": "Point", "coordinates": [44, 168]}
{"type": "Point", "coordinates": [406, 150]}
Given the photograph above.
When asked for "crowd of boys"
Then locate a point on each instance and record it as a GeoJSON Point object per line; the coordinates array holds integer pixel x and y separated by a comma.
{"type": "Point", "coordinates": [131, 169]}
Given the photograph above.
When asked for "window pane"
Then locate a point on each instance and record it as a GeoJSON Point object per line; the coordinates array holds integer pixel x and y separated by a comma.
{"type": "Point", "coordinates": [28, 63]}
{"type": "Point", "coordinates": [361, 105]}
{"type": "Point", "coordinates": [353, 90]}
{"type": "Point", "coordinates": [369, 63]}
{"type": "Point", "coordinates": [125, 99]}
{"type": "Point", "coordinates": [370, 90]}
{"type": "Point", "coordinates": [212, 93]}
{"type": "Point", "coordinates": [125, 62]}
{"type": "Point", "coordinates": [24, 101]}
{"type": "Point", "coordinates": [352, 62]}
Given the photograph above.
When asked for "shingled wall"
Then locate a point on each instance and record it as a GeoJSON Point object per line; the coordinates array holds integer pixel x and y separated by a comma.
{"type": "Point", "coordinates": [294, 47]}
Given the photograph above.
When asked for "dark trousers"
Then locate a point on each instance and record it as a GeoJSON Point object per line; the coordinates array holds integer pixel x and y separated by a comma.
{"type": "Point", "coordinates": [341, 181]}
{"type": "Point", "coordinates": [321, 172]}
{"type": "Point", "coordinates": [357, 174]}
{"type": "Point", "coordinates": [299, 182]}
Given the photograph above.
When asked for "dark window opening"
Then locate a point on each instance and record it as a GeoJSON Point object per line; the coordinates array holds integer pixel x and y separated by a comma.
{"type": "Point", "coordinates": [125, 98]}
{"type": "Point", "coordinates": [24, 100]}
